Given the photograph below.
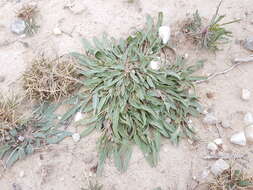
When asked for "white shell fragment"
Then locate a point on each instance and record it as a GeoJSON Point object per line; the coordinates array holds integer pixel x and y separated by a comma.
{"type": "Point", "coordinates": [245, 94]}
{"type": "Point", "coordinates": [164, 33]}
{"type": "Point", "coordinates": [219, 166]}
{"type": "Point", "coordinates": [239, 139]}
{"type": "Point", "coordinates": [78, 116]}
{"type": "Point", "coordinates": [155, 65]}
{"type": "Point", "coordinates": [249, 133]}
{"type": "Point", "coordinates": [248, 118]}
{"type": "Point", "coordinates": [76, 137]}
{"type": "Point", "coordinates": [57, 31]}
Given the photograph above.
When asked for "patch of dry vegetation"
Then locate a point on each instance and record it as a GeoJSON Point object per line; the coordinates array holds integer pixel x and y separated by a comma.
{"type": "Point", "coordinates": [50, 80]}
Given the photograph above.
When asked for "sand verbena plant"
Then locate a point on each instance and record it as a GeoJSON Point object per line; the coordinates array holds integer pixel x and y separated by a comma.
{"type": "Point", "coordinates": [128, 101]}
{"type": "Point", "coordinates": [208, 35]}
{"type": "Point", "coordinates": [50, 79]}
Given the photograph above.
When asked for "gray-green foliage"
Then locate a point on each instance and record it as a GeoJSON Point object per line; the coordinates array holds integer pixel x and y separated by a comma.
{"type": "Point", "coordinates": [209, 35]}
{"type": "Point", "coordinates": [39, 130]}
{"type": "Point", "coordinates": [128, 101]}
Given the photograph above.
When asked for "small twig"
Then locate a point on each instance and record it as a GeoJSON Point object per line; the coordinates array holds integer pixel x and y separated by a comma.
{"type": "Point", "coordinates": [225, 156]}
{"type": "Point", "coordinates": [236, 61]}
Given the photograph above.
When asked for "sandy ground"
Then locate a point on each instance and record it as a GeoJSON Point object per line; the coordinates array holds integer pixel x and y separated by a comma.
{"type": "Point", "coordinates": [68, 166]}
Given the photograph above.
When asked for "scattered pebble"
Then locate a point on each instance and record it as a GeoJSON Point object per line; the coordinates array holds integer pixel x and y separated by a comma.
{"type": "Point", "coordinates": [76, 8]}
{"type": "Point", "coordinates": [204, 174]}
{"type": "Point", "coordinates": [210, 119]}
{"type": "Point", "coordinates": [164, 33]}
{"type": "Point", "coordinates": [18, 27]}
{"type": "Point", "coordinates": [2, 79]}
{"type": "Point", "coordinates": [76, 137]}
{"type": "Point", "coordinates": [89, 159]}
{"type": "Point", "coordinates": [249, 133]}
{"type": "Point", "coordinates": [225, 124]}
{"type": "Point", "coordinates": [248, 43]}
{"type": "Point", "coordinates": [238, 138]}
{"type": "Point", "coordinates": [219, 166]}
{"type": "Point", "coordinates": [218, 141]}
{"type": "Point", "coordinates": [78, 116]}
{"type": "Point", "coordinates": [248, 118]}
{"type": "Point", "coordinates": [212, 146]}
{"type": "Point", "coordinates": [168, 120]}
{"type": "Point", "coordinates": [57, 31]}
{"type": "Point", "coordinates": [245, 94]}
{"type": "Point", "coordinates": [21, 138]}
{"type": "Point", "coordinates": [22, 174]}
{"type": "Point", "coordinates": [155, 65]}
{"type": "Point", "coordinates": [209, 95]}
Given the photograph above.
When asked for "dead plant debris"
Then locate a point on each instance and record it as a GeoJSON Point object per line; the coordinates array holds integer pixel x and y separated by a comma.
{"type": "Point", "coordinates": [50, 80]}
{"type": "Point", "coordinates": [232, 179]}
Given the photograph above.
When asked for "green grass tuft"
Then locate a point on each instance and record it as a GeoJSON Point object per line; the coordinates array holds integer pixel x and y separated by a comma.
{"type": "Point", "coordinates": [210, 35]}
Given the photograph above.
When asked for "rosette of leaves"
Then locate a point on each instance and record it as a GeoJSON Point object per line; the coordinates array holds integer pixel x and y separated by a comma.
{"type": "Point", "coordinates": [208, 35]}
{"type": "Point", "coordinates": [28, 135]}
{"type": "Point", "coordinates": [127, 101]}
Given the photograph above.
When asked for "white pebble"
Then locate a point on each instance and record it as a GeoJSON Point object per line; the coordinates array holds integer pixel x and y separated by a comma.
{"type": "Point", "coordinates": [225, 124]}
{"type": "Point", "coordinates": [78, 116]}
{"type": "Point", "coordinates": [245, 94]}
{"type": "Point", "coordinates": [218, 141]}
{"type": "Point", "coordinates": [248, 118]}
{"type": "Point", "coordinates": [57, 31]}
{"type": "Point", "coordinates": [155, 65]}
{"type": "Point", "coordinates": [239, 139]}
{"type": "Point", "coordinates": [168, 120]}
{"type": "Point", "coordinates": [22, 174]}
{"type": "Point", "coordinates": [212, 146]}
{"type": "Point", "coordinates": [76, 137]}
{"type": "Point", "coordinates": [164, 33]}
{"type": "Point", "coordinates": [249, 133]}
{"type": "Point", "coordinates": [21, 138]}
{"type": "Point", "coordinates": [219, 166]}
{"type": "Point", "coordinates": [210, 119]}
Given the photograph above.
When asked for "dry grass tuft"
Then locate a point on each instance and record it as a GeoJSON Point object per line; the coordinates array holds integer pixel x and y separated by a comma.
{"type": "Point", "coordinates": [232, 179]}
{"type": "Point", "coordinates": [28, 13]}
{"type": "Point", "coordinates": [50, 80]}
{"type": "Point", "coordinates": [9, 116]}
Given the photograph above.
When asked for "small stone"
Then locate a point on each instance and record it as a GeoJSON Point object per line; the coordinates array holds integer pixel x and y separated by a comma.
{"type": "Point", "coordinates": [248, 43]}
{"type": "Point", "coordinates": [209, 95]}
{"type": "Point", "coordinates": [248, 118]}
{"type": "Point", "coordinates": [21, 138]}
{"type": "Point", "coordinates": [239, 139]}
{"type": "Point", "coordinates": [76, 137]}
{"type": "Point", "coordinates": [249, 133]}
{"type": "Point", "coordinates": [210, 119]}
{"type": "Point", "coordinates": [245, 94]}
{"type": "Point", "coordinates": [77, 8]}
{"type": "Point", "coordinates": [22, 174]}
{"type": "Point", "coordinates": [219, 166]}
{"type": "Point", "coordinates": [88, 159]}
{"type": "Point", "coordinates": [2, 79]}
{"type": "Point", "coordinates": [168, 120]}
{"type": "Point", "coordinates": [204, 174]}
{"type": "Point", "coordinates": [57, 31]}
{"type": "Point", "coordinates": [18, 27]}
{"type": "Point", "coordinates": [212, 146]}
{"type": "Point", "coordinates": [78, 116]}
{"type": "Point", "coordinates": [155, 65]}
{"type": "Point", "coordinates": [225, 124]}
{"type": "Point", "coordinates": [164, 33]}
{"type": "Point", "coordinates": [218, 141]}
